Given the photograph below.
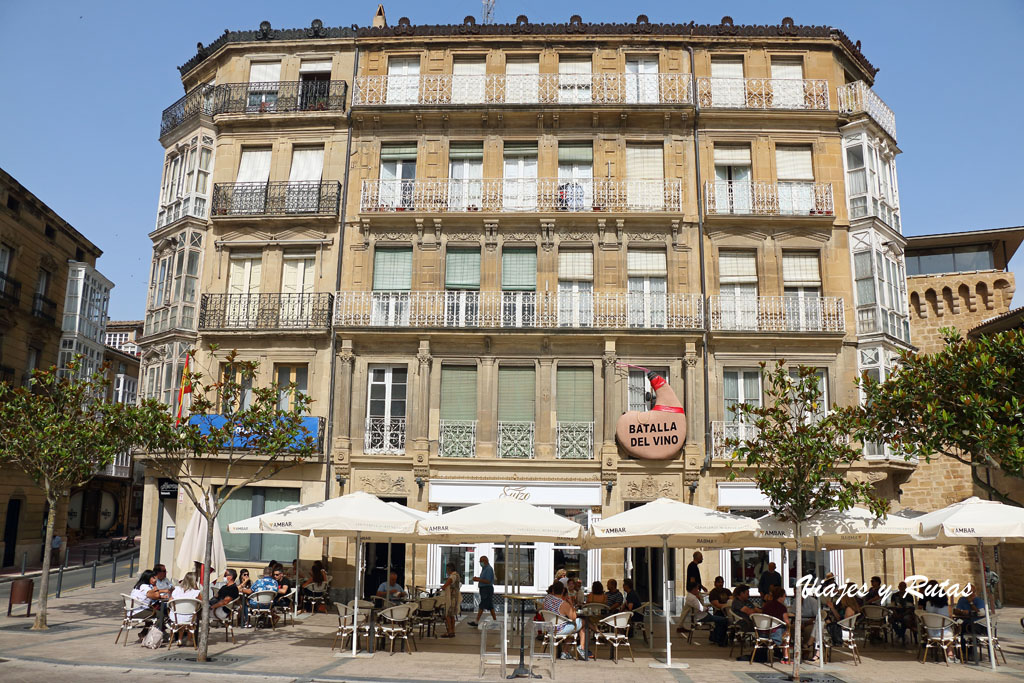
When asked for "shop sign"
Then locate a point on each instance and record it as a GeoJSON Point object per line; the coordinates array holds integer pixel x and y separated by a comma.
{"type": "Point", "coordinates": [515, 492]}
{"type": "Point", "coordinates": [168, 488]}
{"type": "Point", "coordinates": [656, 434]}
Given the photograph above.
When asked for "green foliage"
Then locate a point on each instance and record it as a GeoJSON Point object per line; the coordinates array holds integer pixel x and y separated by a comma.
{"type": "Point", "coordinates": [965, 402]}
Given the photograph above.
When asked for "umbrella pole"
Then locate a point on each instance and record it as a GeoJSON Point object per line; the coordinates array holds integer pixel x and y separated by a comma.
{"type": "Point", "coordinates": [913, 567]}
{"type": "Point", "coordinates": [414, 570]}
{"type": "Point", "coordinates": [650, 599]}
{"type": "Point", "coordinates": [665, 605]}
{"type": "Point", "coordinates": [862, 579]}
{"type": "Point", "coordinates": [504, 635]}
{"type": "Point", "coordinates": [355, 617]}
{"type": "Point", "coordinates": [817, 616]}
{"type": "Point", "coordinates": [988, 618]}
{"type": "Point", "coordinates": [387, 576]}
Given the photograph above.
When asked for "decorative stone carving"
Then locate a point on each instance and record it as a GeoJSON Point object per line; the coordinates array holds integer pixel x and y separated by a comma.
{"type": "Point", "coordinates": [316, 29]}
{"type": "Point", "coordinates": [520, 237]}
{"type": "Point", "coordinates": [424, 358]}
{"type": "Point", "coordinates": [645, 237]}
{"type": "Point", "coordinates": [566, 236]}
{"type": "Point", "coordinates": [383, 483]}
{"type": "Point", "coordinates": [346, 357]}
{"type": "Point", "coordinates": [464, 237]}
{"type": "Point", "coordinates": [649, 488]}
{"type": "Point", "coordinates": [393, 236]}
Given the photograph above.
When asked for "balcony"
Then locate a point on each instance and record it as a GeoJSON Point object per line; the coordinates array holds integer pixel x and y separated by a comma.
{"type": "Point", "coordinates": [535, 89]}
{"type": "Point", "coordinates": [279, 97]}
{"type": "Point", "coordinates": [519, 310]}
{"type": "Point", "coordinates": [857, 97]}
{"type": "Point", "coordinates": [174, 317]}
{"type": "Point", "coordinates": [777, 313]}
{"type": "Point", "coordinates": [197, 102]}
{"type": "Point", "coordinates": [300, 198]}
{"type": "Point", "coordinates": [575, 441]}
{"type": "Point", "coordinates": [192, 204]}
{"type": "Point", "coordinates": [744, 198]}
{"type": "Point", "coordinates": [384, 435]}
{"type": "Point", "coordinates": [522, 195]}
{"type": "Point", "coordinates": [762, 93]}
{"type": "Point", "coordinates": [270, 311]}
{"type": "Point", "coordinates": [515, 440]}
{"type": "Point", "coordinates": [121, 467]}
{"type": "Point", "coordinates": [44, 309]}
{"type": "Point", "coordinates": [873, 319]}
{"type": "Point", "coordinates": [723, 431]}
{"type": "Point", "coordinates": [10, 290]}
{"type": "Point", "coordinates": [457, 439]}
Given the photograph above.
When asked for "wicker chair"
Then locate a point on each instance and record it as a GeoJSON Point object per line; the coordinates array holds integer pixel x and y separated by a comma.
{"type": "Point", "coordinates": [764, 625]}
{"type": "Point", "coordinates": [261, 607]}
{"type": "Point", "coordinates": [614, 630]}
{"type": "Point", "coordinates": [738, 631]}
{"type": "Point", "coordinates": [228, 621]}
{"type": "Point", "coordinates": [689, 623]}
{"type": "Point", "coordinates": [937, 631]}
{"type": "Point", "coordinates": [396, 622]}
{"type": "Point", "coordinates": [136, 615]}
{"type": "Point", "coordinates": [553, 639]}
{"type": "Point", "coordinates": [182, 616]}
{"type": "Point", "coordinates": [349, 626]}
{"type": "Point", "coordinates": [877, 619]}
{"type": "Point", "coordinates": [848, 626]}
{"type": "Point", "coordinates": [984, 634]}
{"type": "Point", "coordinates": [423, 616]}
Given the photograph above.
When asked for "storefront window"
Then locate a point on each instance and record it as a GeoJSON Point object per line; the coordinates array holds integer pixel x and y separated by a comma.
{"type": "Point", "coordinates": [518, 570]}
{"type": "Point", "coordinates": [249, 502]}
{"type": "Point", "coordinates": [571, 558]}
{"type": "Point", "coordinates": [811, 562]}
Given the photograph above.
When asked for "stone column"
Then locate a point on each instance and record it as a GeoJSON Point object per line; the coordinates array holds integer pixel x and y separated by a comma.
{"type": "Point", "coordinates": [341, 446]}
{"type": "Point", "coordinates": [612, 409]}
{"type": "Point", "coordinates": [487, 418]}
{"type": "Point", "coordinates": [417, 427]}
{"type": "Point", "coordinates": [544, 435]}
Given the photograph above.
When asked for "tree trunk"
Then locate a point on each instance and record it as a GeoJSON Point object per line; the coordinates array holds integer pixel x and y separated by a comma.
{"type": "Point", "coordinates": [44, 579]}
{"type": "Point", "coordinates": [207, 579]}
{"type": "Point", "coordinates": [798, 617]}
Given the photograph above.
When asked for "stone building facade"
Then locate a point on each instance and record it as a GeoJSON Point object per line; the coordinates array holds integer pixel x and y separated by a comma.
{"type": "Point", "coordinates": [466, 240]}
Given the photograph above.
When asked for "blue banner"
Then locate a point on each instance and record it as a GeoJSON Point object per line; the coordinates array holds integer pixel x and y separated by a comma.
{"type": "Point", "coordinates": [208, 423]}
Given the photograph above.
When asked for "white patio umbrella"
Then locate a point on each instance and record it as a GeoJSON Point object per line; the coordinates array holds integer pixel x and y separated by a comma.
{"type": "Point", "coordinates": [974, 521]}
{"type": "Point", "coordinates": [252, 525]}
{"type": "Point", "coordinates": [668, 523]}
{"type": "Point", "coordinates": [193, 548]}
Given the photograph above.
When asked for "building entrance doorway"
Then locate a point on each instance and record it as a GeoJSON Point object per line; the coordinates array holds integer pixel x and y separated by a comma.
{"type": "Point", "coordinates": [11, 521]}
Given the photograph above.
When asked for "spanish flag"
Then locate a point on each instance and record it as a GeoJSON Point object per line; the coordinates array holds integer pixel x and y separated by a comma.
{"type": "Point", "coordinates": [186, 388]}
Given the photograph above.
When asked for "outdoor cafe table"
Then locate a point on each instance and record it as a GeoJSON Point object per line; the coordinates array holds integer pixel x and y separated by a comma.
{"type": "Point", "coordinates": [521, 671]}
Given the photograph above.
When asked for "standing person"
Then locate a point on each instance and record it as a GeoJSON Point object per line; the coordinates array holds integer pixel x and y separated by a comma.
{"type": "Point", "coordinates": [452, 590]}
{"type": "Point", "coordinates": [693, 572]}
{"type": "Point", "coordinates": [485, 583]}
{"type": "Point", "coordinates": [768, 579]}
{"type": "Point", "coordinates": [614, 598]}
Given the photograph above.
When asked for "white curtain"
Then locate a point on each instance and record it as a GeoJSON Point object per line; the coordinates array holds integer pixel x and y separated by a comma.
{"type": "Point", "coordinates": [254, 166]}
{"type": "Point", "coordinates": [264, 72]}
{"type": "Point", "coordinates": [315, 66]}
{"type": "Point", "coordinates": [795, 172]}
{"type": "Point", "coordinates": [787, 83]}
{"type": "Point", "coordinates": [728, 88]}
{"type": "Point", "coordinates": [641, 80]}
{"type": "Point", "coordinates": [468, 81]}
{"type": "Point", "coordinates": [800, 269]}
{"type": "Point", "coordinates": [574, 80]}
{"type": "Point", "coordinates": [307, 164]}
{"type": "Point", "coordinates": [645, 173]}
{"type": "Point", "coordinates": [646, 263]}
{"type": "Point", "coordinates": [403, 80]}
{"type": "Point", "coordinates": [522, 81]}
{"type": "Point", "coordinates": [520, 182]}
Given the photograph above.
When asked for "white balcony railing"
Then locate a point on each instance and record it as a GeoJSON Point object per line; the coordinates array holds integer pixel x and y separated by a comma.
{"type": "Point", "coordinates": [462, 90]}
{"type": "Point", "coordinates": [520, 310]}
{"type": "Point", "coordinates": [744, 198]}
{"type": "Point", "coordinates": [723, 431]}
{"type": "Point", "coordinates": [777, 313]}
{"type": "Point", "coordinates": [763, 93]}
{"type": "Point", "coordinates": [384, 435]}
{"type": "Point", "coordinates": [575, 440]}
{"type": "Point", "coordinates": [121, 467]}
{"type": "Point", "coordinates": [857, 97]}
{"type": "Point", "coordinates": [457, 439]}
{"type": "Point", "coordinates": [522, 195]}
{"type": "Point", "coordinates": [515, 440]}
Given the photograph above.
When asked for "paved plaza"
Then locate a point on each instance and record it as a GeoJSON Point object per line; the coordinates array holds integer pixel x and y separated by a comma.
{"type": "Point", "coordinates": [86, 620]}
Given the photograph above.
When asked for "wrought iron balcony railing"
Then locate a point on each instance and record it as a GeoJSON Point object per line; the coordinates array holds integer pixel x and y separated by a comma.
{"type": "Point", "coordinates": [44, 308]}
{"type": "Point", "coordinates": [575, 441]}
{"type": "Point", "coordinates": [722, 431]}
{"type": "Point", "coordinates": [10, 290]}
{"type": "Point", "coordinates": [299, 198]}
{"type": "Point", "coordinates": [269, 311]}
{"type": "Point", "coordinates": [279, 97]}
{"type": "Point", "coordinates": [519, 195]}
{"type": "Point", "coordinates": [196, 102]}
{"type": "Point", "coordinates": [457, 439]}
{"type": "Point", "coordinates": [515, 440]}
{"type": "Point", "coordinates": [777, 313]}
{"type": "Point", "coordinates": [457, 309]}
{"type": "Point", "coordinates": [857, 97]}
{"type": "Point", "coordinates": [384, 435]}
{"type": "Point", "coordinates": [490, 89]}
{"type": "Point", "coordinates": [762, 93]}
{"type": "Point", "coordinates": [744, 198]}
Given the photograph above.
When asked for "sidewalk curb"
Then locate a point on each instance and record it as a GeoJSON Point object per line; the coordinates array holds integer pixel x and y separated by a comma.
{"type": "Point", "coordinates": [35, 574]}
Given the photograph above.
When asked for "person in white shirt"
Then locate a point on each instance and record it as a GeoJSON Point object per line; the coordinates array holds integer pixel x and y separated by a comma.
{"type": "Point", "coordinates": [150, 598]}
{"type": "Point", "coordinates": [701, 612]}
{"type": "Point", "coordinates": [187, 588]}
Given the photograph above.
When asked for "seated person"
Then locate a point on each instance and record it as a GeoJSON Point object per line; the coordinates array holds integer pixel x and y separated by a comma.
{"type": "Point", "coordinates": [316, 585]}
{"type": "Point", "coordinates": [225, 594]}
{"type": "Point", "coordinates": [597, 594]}
{"type": "Point", "coordinates": [742, 606]}
{"type": "Point", "coordinates": [613, 598]}
{"type": "Point", "coordinates": [874, 595]}
{"type": "Point", "coordinates": [631, 601]}
{"type": "Point", "coordinates": [265, 583]}
{"type": "Point", "coordinates": [186, 588]}
{"type": "Point", "coordinates": [563, 607]}
{"type": "Point", "coordinates": [284, 587]}
{"type": "Point", "coordinates": [902, 605]}
{"type": "Point", "coordinates": [702, 613]}
{"type": "Point", "coordinates": [391, 589]}
{"type": "Point", "coordinates": [162, 580]}
{"type": "Point", "coordinates": [848, 604]}
{"type": "Point", "coordinates": [148, 597]}
{"type": "Point", "coordinates": [971, 610]}
{"type": "Point", "coordinates": [775, 606]}
{"type": "Point", "coordinates": [574, 591]}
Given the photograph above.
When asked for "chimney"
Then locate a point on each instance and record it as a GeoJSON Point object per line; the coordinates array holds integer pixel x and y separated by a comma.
{"type": "Point", "coordinates": [379, 20]}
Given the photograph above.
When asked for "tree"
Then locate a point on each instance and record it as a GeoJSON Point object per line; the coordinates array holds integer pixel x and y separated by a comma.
{"type": "Point", "coordinates": [59, 431]}
{"type": "Point", "coordinates": [238, 437]}
{"type": "Point", "coordinates": [965, 402]}
{"type": "Point", "coordinates": [799, 456]}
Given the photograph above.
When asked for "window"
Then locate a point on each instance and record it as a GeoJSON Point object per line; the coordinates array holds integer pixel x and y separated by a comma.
{"type": "Point", "coordinates": [823, 402]}
{"type": "Point", "coordinates": [458, 411]}
{"type": "Point", "coordinates": [230, 373]}
{"type": "Point", "coordinates": [574, 80]}
{"type": "Point", "coordinates": [787, 83]}
{"type": "Point", "coordinates": [244, 280]}
{"type": "Point", "coordinates": [462, 288]}
{"type": "Point", "coordinates": [160, 294]}
{"type": "Point", "coordinates": [639, 390]}
{"type": "Point", "coordinates": [465, 176]}
{"type": "Point", "coordinates": [732, 179]}
{"type": "Point", "coordinates": [519, 187]}
{"type": "Point", "coordinates": [645, 177]}
{"type": "Point", "coordinates": [572, 558]}
{"type": "Point", "coordinates": [40, 303]}
{"type": "Point", "coordinates": [403, 80]}
{"type": "Point", "coordinates": [740, 386]}
{"type": "Point", "coordinates": [33, 361]}
{"type": "Point", "coordinates": [249, 195]}
{"type": "Point", "coordinates": [298, 305]}
{"type": "Point", "coordinates": [796, 179]}
{"type": "Point", "coordinates": [516, 411]}
{"type": "Point", "coordinates": [304, 180]}
{"type": "Point", "coordinates": [575, 288]}
{"type": "Point", "coordinates": [737, 284]}
{"type": "Point", "coordinates": [13, 204]}
{"type": "Point", "coordinates": [575, 177]}
{"type": "Point", "coordinates": [802, 280]}
{"type": "Point", "coordinates": [314, 84]}
{"type": "Point", "coordinates": [856, 181]}
{"type": "Point", "coordinates": [518, 287]}
{"type": "Point", "coordinates": [50, 232]}
{"type": "Point", "coordinates": [574, 404]}
{"type": "Point", "coordinates": [522, 80]}
{"type": "Point", "coordinates": [397, 175]}
{"type": "Point", "coordinates": [385, 409]}
{"type": "Point", "coordinates": [286, 375]}
{"type": "Point", "coordinates": [264, 79]}
{"type": "Point", "coordinates": [647, 271]}
{"type": "Point", "coordinates": [392, 280]}
{"type": "Point", "coordinates": [642, 79]}
{"type": "Point", "coordinates": [468, 78]}
{"type": "Point", "coordinates": [949, 260]}
{"type": "Point", "coordinates": [6, 255]}
{"type": "Point", "coordinates": [728, 89]}
{"type": "Point", "coordinates": [249, 502]}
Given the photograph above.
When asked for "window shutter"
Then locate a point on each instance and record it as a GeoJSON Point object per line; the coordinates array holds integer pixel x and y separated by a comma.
{"type": "Point", "coordinates": [473, 151]}
{"type": "Point", "coordinates": [520, 149]}
{"type": "Point", "coordinates": [522, 67]}
{"type": "Point", "coordinates": [392, 270]}
{"type": "Point", "coordinates": [315, 66]}
{"type": "Point", "coordinates": [264, 72]}
{"type": "Point", "coordinates": [398, 152]}
{"type": "Point", "coordinates": [574, 393]}
{"type": "Point", "coordinates": [458, 392]}
{"type": "Point", "coordinates": [646, 263]}
{"type": "Point", "coordinates": [519, 270]}
{"type": "Point", "coordinates": [575, 65]}
{"type": "Point", "coordinates": [727, 67]}
{"type": "Point", "coordinates": [793, 163]}
{"type": "Point", "coordinates": [737, 267]}
{"type": "Point", "coordinates": [787, 68]}
{"type": "Point", "coordinates": [469, 67]}
{"type": "Point", "coordinates": [575, 154]}
{"type": "Point", "coordinates": [800, 269]}
{"type": "Point", "coordinates": [645, 162]}
{"type": "Point", "coordinates": [575, 265]}
{"type": "Point", "coordinates": [462, 269]}
{"type": "Point", "coordinates": [732, 155]}
{"type": "Point", "coordinates": [516, 394]}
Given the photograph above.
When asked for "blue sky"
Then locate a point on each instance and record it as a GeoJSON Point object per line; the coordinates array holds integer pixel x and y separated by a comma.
{"type": "Point", "coordinates": [84, 83]}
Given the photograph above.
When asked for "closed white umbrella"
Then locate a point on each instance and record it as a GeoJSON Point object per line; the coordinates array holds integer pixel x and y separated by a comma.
{"type": "Point", "coordinates": [668, 523]}
{"type": "Point", "coordinates": [193, 548]}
